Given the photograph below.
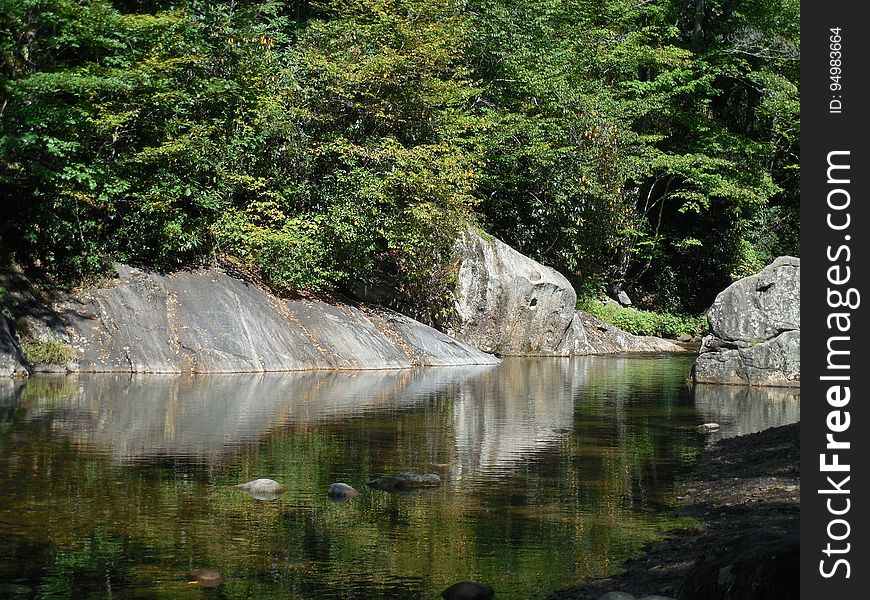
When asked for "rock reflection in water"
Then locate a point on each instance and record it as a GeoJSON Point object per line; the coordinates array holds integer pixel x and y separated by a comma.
{"type": "Point", "coordinates": [139, 417]}
{"type": "Point", "coordinates": [741, 410]}
{"type": "Point", "coordinates": [506, 414]}
{"type": "Point", "coordinates": [499, 417]}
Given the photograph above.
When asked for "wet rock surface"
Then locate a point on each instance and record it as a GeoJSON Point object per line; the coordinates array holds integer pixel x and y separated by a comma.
{"type": "Point", "coordinates": [468, 590]}
{"type": "Point", "coordinates": [204, 578]}
{"type": "Point", "coordinates": [262, 489]}
{"type": "Point", "coordinates": [406, 482]}
{"type": "Point", "coordinates": [341, 492]}
{"type": "Point", "coordinates": [746, 495]}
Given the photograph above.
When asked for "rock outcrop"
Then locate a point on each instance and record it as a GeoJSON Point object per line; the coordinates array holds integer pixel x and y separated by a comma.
{"type": "Point", "coordinates": [755, 325]}
{"type": "Point", "coordinates": [11, 361]}
{"type": "Point", "coordinates": [208, 321]}
{"type": "Point", "coordinates": [511, 305]}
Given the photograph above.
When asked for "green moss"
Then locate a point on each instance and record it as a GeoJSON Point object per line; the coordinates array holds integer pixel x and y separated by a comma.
{"type": "Point", "coordinates": [488, 238]}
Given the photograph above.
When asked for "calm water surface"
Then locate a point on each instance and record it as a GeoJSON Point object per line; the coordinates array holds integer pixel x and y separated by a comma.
{"type": "Point", "coordinates": [554, 470]}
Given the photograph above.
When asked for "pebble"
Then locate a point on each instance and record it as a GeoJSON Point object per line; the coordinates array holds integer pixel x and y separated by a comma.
{"type": "Point", "coordinates": [262, 489]}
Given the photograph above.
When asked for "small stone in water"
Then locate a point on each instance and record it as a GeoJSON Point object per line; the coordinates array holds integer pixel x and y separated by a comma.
{"type": "Point", "coordinates": [205, 578]}
{"type": "Point", "coordinates": [468, 590]}
{"type": "Point", "coordinates": [341, 491]}
{"type": "Point", "coordinates": [262, 489]}
{"type": "Point", "coordinates": [708, 427]}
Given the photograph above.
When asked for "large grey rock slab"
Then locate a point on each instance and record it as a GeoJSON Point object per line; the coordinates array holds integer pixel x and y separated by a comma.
{"type": "Point", "coordinates": [755, 325]}
{"type": "Point", "coordinates": [11, 362]}
{"type": "Point", "coordinates": [511, 305]}
{"type": "Point", "coordinates": [774, 362]}
{"type": "Point", "coordinates": [761, 306]}
{"type": "Point", "coordinates": [207, 321]}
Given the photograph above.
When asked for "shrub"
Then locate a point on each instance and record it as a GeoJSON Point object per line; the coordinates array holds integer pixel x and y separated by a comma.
{"type": "Point", "coordinates": [50, 352]}
{"type": "Point", "coordinates": [644, 322]}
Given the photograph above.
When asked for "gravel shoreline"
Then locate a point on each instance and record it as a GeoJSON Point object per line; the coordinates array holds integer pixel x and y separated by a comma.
{"type": "Point", "coordinates": [745, 492]}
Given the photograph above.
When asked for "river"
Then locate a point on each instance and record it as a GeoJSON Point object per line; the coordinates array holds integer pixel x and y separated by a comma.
{"type": "Point", "coordinates": [553, 470]}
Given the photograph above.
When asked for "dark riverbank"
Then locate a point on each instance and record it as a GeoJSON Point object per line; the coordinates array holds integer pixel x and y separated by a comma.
{"type": "Point", "coordinates": [746, 495]}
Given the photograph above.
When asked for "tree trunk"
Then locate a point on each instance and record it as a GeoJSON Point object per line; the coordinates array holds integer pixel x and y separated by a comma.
{"type": "Point", "coordinates": [698, 29]}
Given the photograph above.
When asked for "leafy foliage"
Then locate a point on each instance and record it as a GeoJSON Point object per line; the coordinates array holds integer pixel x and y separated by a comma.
{"type": "Point", "coordinates": [324, 145]}
{"type": "Point", "coordinates": [50, 352]}
{"type": "Point", "coordinates": [644, 322]}
{"type": "Point", "coordinates": [637, 150]}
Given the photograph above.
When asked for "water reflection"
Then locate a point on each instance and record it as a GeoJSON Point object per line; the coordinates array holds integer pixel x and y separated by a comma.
{"type": "Point", "coordinates": [140, 417]}
{"type": "Point", "coordinates": [741, 410]}
{"type": "Point", "coordinates": [507, 413]}
{"type": "Point", "coordinates": [552, 470]}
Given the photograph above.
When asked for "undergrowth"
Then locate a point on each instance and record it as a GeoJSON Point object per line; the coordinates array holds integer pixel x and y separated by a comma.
{"type": "Point", "coordinates": [644, 322]}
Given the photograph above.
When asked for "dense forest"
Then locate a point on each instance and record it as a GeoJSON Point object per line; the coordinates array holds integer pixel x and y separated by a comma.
{"type": "Point", "coordinates": [645, 145]}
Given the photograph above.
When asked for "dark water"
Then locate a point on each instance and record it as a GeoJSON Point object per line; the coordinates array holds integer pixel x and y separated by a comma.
{"type": "Point", "coordinates": [554, 470]}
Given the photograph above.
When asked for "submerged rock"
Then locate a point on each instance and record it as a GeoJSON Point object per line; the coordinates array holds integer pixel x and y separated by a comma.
{"type": "Point", "coordinates": [204, 578]}
{"type": "Point", "coordinates": [707, 427]}
{"type": "Point", "coordinates": [468, 590]}
{"type": "Point", "coordinates": [755, 325]}
{"type": "Point", "coordinates": [341, 492]}
{"type": "Point", "coordinates": [406, 482]}
{"type": "Point", "coordinates": [261, 489]}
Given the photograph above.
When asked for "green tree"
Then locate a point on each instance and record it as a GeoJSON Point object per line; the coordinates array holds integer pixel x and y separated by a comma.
{"type": "Point", "coordinates": [320, 145]}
